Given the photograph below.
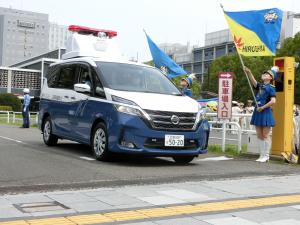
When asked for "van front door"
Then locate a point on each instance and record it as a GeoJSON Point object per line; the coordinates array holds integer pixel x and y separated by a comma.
{"type": "Point", "coordinates": [63, 107]}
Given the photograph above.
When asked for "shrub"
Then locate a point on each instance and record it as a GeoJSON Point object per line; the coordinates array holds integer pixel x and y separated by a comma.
{"type": "Point", "coordinates": [5, 108]}
{"type": "Point", "coordinates": [10, 100]}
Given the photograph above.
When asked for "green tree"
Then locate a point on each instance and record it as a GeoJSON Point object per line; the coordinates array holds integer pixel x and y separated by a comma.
{"type": "Point", "coordinates": [196, 88]}
{"type": "Point", "coordinates": [291, 47]}
{"type": "Point", "coordinates": [231, 63]}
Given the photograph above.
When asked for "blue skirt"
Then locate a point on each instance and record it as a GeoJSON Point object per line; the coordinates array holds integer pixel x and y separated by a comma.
{"type": "Point", "coordinates": [264, 118]}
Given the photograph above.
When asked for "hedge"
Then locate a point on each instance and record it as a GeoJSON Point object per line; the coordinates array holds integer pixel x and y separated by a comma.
{"type": "Point", "coordinates": [5, 108]}
{"type": "Point", "coordinates": [11, 100]}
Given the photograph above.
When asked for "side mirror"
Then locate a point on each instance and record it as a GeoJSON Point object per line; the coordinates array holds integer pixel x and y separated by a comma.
{"type": "Point", "coordinates": [82, 88]}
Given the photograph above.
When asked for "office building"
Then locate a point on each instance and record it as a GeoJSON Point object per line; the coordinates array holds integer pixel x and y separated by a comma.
{"type": "Point", "coordinates": [58, 35]}
{"type": "Point", "coordinates": [23, 34]}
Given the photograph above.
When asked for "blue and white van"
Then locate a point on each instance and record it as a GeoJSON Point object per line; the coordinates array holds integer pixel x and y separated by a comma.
{"type": "Point", "coordinates": [118, 106]}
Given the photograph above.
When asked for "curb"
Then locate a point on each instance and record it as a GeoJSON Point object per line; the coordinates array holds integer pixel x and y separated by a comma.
{"type": "Point", "coordinates": [254, 155]}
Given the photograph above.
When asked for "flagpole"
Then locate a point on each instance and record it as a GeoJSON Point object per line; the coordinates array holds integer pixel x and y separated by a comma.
{"type": "Point", "coordinates": [243, 65]}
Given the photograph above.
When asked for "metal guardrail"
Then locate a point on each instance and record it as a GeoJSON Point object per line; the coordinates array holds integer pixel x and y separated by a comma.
{"type": "Point", "coordinates": [224, 129]}
{"type": "Point", "coordinates": [11, 117]}
{"type": "Point", "coordinates": [7, 113]}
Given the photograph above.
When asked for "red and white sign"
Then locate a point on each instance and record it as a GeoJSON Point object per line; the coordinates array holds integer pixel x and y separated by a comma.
{"type": "Point", "coordinates": [225, 95]}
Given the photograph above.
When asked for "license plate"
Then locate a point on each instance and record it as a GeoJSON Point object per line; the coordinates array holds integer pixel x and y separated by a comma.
{"type": "Point", "coordinates": [174, 140]}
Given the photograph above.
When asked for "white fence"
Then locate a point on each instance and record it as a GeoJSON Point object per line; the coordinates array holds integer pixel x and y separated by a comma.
{"type": "Point", "coordinates": [239, 124]}
{"type": "Point", "coordinates": [12, 117]}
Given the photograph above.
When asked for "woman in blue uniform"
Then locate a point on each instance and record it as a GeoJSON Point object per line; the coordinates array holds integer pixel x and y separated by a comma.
{"type": "Point", "coordinates": [186, 84]}
{"type": "Point", "coordinates": [262, 117]}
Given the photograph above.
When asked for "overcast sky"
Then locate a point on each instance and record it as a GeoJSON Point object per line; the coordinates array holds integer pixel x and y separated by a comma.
{"type": "Point", "coordinates": [173, 21]}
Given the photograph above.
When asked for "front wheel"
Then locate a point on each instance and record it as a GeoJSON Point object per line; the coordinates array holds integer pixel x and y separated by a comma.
{"type": "Point", "coordinates": [183, 159]}
{"type": "Point", "coordinates": [49, 138]}
{"type": "Point", "coordinates": [100, 143]}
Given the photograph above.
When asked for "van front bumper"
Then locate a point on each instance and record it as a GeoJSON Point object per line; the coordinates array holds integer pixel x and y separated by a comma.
{"type": "Point", "coordinates": [130, 134]}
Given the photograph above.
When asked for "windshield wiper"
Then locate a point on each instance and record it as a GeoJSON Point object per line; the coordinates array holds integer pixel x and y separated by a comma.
{"type": "Point", "coordinates": [179, 94]}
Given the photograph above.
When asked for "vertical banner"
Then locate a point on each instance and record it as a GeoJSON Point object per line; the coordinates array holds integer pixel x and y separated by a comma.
{"type": "Point", "coordinates": [225, 95]}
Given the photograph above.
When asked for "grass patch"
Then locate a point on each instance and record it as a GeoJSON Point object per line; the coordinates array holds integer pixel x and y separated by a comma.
{"type": "Point", "coordinates": [17, 123]}
{"type": "Point", "coordinates": [230, 150]}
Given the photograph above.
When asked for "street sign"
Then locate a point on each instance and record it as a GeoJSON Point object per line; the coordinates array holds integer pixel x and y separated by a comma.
{"type": "Point", "coordinates": [225, 95]}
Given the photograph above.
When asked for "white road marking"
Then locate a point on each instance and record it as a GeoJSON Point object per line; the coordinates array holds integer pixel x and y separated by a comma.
{"type": "Point", "coordinates": [11, 139]}
{"type": "Point", "coordinates": [87, 158]}
{"type": "Point", "coordinates": [220, 158]}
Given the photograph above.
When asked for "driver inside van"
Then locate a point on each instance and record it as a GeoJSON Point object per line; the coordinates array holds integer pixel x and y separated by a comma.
{"type": "Point", "coordinates": [86, 79]}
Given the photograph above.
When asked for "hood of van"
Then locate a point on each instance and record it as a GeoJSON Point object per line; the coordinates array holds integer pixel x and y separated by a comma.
{"type": "Point", "coordinates": [159, 102]}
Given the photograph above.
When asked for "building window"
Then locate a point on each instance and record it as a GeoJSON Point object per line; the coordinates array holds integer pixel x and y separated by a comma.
{"type": "Point", "coordinates": [197, 68]}
{"type": "Point", "coordinates": [198, 56]}
{"type": "Point", "coordinates": [231, 49]}
{"type": "Point", "coordinates": [220, 51]}
{"type": "Point", "coordinates": [208, 54]}
{"type": "Point", "coordinates": [187, 68]}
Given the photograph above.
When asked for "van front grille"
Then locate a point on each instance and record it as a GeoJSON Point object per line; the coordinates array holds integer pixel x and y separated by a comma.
{"type": "Point", "coordinates": [179, 121]}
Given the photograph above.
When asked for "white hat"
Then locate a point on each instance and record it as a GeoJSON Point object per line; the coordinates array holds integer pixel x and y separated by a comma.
{"type": "Point", "coordinates": [235, 103]}
{"type": "Point", "coordinates": [26, 90]}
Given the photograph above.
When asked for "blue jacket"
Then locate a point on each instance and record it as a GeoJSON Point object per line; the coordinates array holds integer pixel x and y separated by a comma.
{"type": "Point", "coordinates": [26, 101]}
{"type": "Point", "coordinates": [264, 93]}
{"type": "Point", "coordinates": [187, 92]}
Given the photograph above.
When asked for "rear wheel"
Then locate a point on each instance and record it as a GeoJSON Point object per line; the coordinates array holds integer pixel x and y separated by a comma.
{"type": "Point", "coordinates": [100, 143]}
{"type": "Point", "coordinates": [49, 138]}
{"type": "Point", "coordinates": [183, 159]}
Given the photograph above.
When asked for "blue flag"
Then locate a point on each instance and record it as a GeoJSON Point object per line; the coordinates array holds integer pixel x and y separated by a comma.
{"type": "Point", "coordinates": [163, 62]}
{"type": "Point", "coordinates": [256, 32]}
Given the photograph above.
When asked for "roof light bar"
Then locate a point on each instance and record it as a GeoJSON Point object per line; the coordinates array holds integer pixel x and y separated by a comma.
{"type": "Point", "coordinates": [93, 31]}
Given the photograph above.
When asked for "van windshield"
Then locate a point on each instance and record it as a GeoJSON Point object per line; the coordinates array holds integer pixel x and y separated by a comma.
{"type": "Point", "coordinates": [127, 77]}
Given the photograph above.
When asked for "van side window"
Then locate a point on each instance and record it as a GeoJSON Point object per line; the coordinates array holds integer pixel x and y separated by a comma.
{"type": "Point", "coordinates": [98, 87]}
{"type": "Point", "coordinates": [52, 77]}
{"type": "Point", "coordinates": [84, 75]}
{"type": "Point", "coordinates": [67, 77]}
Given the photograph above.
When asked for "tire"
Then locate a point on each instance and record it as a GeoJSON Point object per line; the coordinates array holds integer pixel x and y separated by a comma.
{"type": "Point", "coordinates": [99, 143]}
{"type": "Point", "coordinates": [49, 138]}
{"type": "Point", "coordinates": [183, 159]}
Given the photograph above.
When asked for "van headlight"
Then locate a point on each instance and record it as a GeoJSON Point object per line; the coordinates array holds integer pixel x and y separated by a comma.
{"type": "Point", "coordinates": [128, 110]}
{"type": "Point", "coordinates": [200, 116]}
{"type": "Point", "coordinates": [129, 107]}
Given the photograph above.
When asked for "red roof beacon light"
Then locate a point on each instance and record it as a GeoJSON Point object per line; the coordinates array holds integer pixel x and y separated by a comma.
{"type": "Point", "coordinates": [93, 31]}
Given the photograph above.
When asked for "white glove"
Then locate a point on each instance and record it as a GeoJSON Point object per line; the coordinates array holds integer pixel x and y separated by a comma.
{"type": "Point", "coordinates": [24, 110]}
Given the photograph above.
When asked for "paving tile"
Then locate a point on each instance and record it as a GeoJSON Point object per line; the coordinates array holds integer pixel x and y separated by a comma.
{"type": "Point", "coordinates": [52, 213]}
{"type": "Point", "coordinates": [181, 221]}
{"type": "Point", "coordinates": [258, 216]}
{"type": "Point", "coordinates": [295, 206]}
{"type": "Point", "coordinates": [137, 192]}
{"type": "Point", "coordinates": [134, 205]}
{"type": "Point", "coordinates": [230, 221]}
{"type": "Point", "coordinates": [162, 200]}
{"type": "Point", "coordinates": [118, 199]}
{"type": "Point", "coordinates": [11, 212]}
{"type": "Point", "coordinates": [89, 206]}
{"type": "Point", "coordinates": [71, 197]}
{"type": "Point", "coordinates": [138, 223]}
{"type": "Point", "coordinates": [29, 198]}
{"type": "Point", "coordinates": [99, 192]}
{"type": "Point", "coordinates": [283, 222]}
{"type": "Point", "coordinates": [184, 194]}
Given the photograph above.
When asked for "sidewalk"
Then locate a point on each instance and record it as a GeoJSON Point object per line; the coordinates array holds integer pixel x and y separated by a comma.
{"type": "Point", "coordinates": [204, 202]}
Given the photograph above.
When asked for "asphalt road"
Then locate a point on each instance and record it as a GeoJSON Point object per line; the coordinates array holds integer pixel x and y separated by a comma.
{"type": "Point", "coordinates": [26, 165]}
